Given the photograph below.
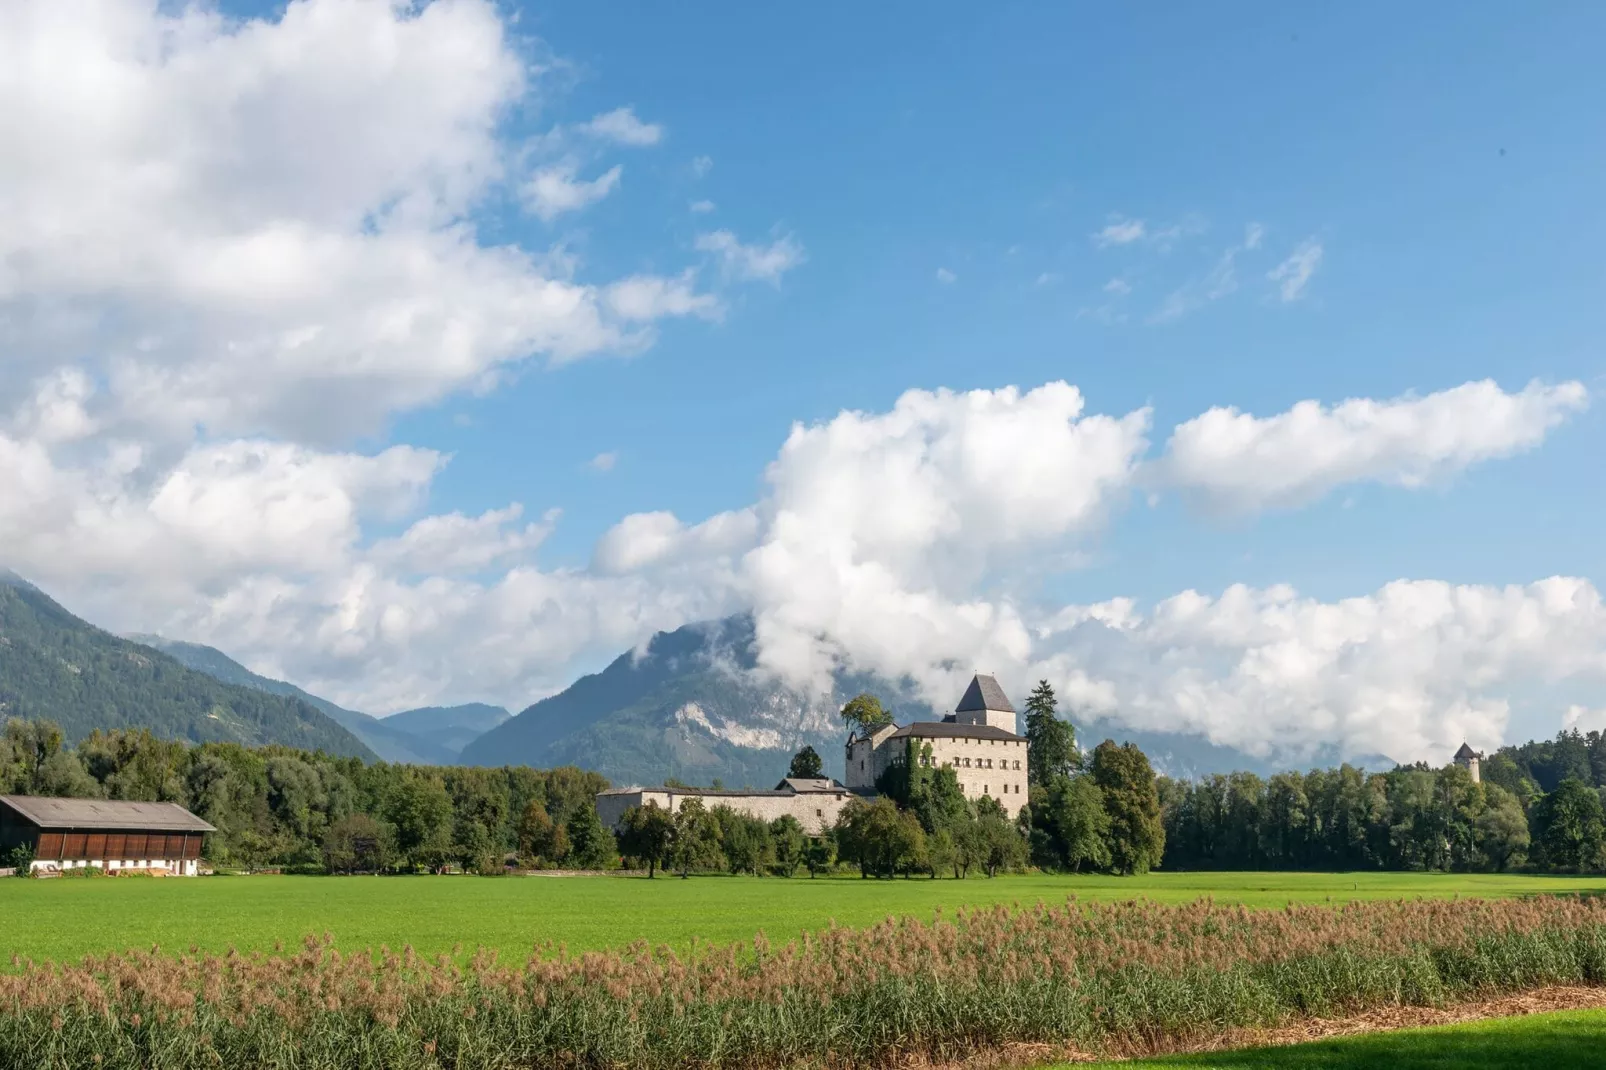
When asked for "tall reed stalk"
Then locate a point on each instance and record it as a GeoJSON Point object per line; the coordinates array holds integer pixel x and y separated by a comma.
{"type": "Point", "coordinates": [1120, 977]}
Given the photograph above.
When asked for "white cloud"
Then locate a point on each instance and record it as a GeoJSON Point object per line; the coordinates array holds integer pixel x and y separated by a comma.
{"type": "Point", "coordinates": [1584, 719]}
{"type": "Point", "coordinates": [702, 165]}
{"type": "Point", "coordinates": [1410, 670]}
{"type": "Point", "coordinates": [644, 540]}
{"type": "Point", "coordinates": [554, 190]}
{"type": "Point", "coordinates": [453, 543]}
{"type": "Point", "coordinates": [765, 263]}
{"type": "Point", "coordinates": [702, 207]}
{"type": "Point", "coordinates": [881, 528]}
{"type": "Point", "coordinates": [622, 127]}
{"type": "Point", "coordinates": [266, 226]}
{"type": "Point", "coordinates": [604, 462]}
{"type": "Point", "coordinates": [912, 542]}
{"type": "Point", "coordinates": [652, 297]}
{"type": "Point", "coordinates": [1120, 232]}
{"type": "Point", "coordinates": [1048, 278]}
{"type": "Point", "coordinates": [1294, 273]}
{"type": "Point", "coordinates": [945, 276]}
{"type": "Point", "coordinates": [1233, 462]}
{"type": "Point", "coordinates": [1218, 282]}
{"type": "Point", "coordinates": [1117, 287]}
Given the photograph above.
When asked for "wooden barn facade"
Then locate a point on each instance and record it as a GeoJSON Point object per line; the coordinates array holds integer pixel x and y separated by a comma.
{"type": "Point", "coordinates": [113, 835]}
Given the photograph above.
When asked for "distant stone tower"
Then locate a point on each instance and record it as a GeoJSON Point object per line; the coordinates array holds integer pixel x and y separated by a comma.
{"type": "Point", "coordinates": [984, 703]}
{"type": "Point", "coordinates": [1468, 759]}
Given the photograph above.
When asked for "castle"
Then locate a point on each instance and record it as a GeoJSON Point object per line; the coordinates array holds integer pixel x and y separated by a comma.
{"type": "Point", "coordinates": [978, 741]}
{"type": "Point", "coordinates": [1468, 759]}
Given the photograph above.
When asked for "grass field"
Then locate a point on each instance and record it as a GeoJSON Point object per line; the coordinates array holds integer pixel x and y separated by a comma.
{"type": "Point", "coordinates": [65, 919]}
{"type": "Point", "coordinates": [1566, 1039]}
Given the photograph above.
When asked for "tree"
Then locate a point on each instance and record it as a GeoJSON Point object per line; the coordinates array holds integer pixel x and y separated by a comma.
{"type": "Point", "coordinates": [1569, 826]}
{"type": "Point", "coordinates": [420, 810]}
{"type": "Point", "coordinates": [866, 712]}
{"type": "Point", "coordinates": [789, 844]}
{"type": "Point", "coordinates": [745, 841]}
{"type": "Point", "coordinates": [1002, 847]}
{"type": "Point", "coordinates": [879, 838]}
{"type": "Point", "coordinates": [1050, 742]}
{"type": "Point", "coordinates": [696, 844]}
{"type": "Point", "coordinates": [591, 845]}
{"type": "Point", "coordinates": [1137, 837]}
{"type": "Point", "coordinates": [357, 844]}
{"type": "Point", "coordinates": [540, 838]}
{"type": "Point", "coordinates": [646, 835]}
{"type": "Point", "coordinates": [1070, 827]}
{"type": "Point", "coordinates": [1502, 828]}
{"type": "Point", "coordinates": [806, 765]}
{"type": "Point", "coordinates": [820, 855]}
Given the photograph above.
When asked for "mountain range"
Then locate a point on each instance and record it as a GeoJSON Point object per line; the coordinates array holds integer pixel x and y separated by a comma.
{"type": "Point", "coordinates": [688, 705]}
{"type": "Point", "coordinates": [433, 735]}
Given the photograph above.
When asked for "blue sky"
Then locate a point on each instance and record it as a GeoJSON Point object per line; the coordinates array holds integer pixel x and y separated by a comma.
{"type": "Point", "coordinates": [1451, 169]}
{"type": "Point", "coordinates": [319, 315]}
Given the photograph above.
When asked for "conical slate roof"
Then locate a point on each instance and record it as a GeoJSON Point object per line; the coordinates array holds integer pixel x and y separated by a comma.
{"type": "Point", "coordinates": [1465, 753]}
{"type": "Point", "coordinates": [984, 694]}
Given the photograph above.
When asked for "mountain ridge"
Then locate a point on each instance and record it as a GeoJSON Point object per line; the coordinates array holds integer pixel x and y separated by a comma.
{"type": "Point", "coordinates": [55, 666]}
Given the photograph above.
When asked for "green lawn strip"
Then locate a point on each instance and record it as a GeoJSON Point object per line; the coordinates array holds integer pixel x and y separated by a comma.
{"type": "Point", "coordinates": [1551, 1041]}
{"type": "Point", "coordinates": [56, 920]}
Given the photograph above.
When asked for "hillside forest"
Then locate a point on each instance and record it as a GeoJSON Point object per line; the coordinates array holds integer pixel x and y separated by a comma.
{"type": "Point", "coordinates": [1538, 807]}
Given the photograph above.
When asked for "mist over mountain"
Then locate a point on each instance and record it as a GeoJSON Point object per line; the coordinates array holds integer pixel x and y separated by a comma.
{"type": "Point", "coordinates": [691, 705]}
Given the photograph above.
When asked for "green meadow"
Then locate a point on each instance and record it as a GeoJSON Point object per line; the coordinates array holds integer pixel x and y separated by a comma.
{"type": "Point", "coordinates": [64, 919]}
{"type": "Point", "coordinates": [1564, 1039]}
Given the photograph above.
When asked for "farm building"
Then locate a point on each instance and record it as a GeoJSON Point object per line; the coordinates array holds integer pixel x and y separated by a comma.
{"type": "Point", "coordinates": [112, 835]}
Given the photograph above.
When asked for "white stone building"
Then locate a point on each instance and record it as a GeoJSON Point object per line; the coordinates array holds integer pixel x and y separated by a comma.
{"type": "Point", "coordinates": [978, 740]}
{"type": "Point", "coordinates": [1468, 759]}
{"type": "Point", "coordinates": [815, 803]}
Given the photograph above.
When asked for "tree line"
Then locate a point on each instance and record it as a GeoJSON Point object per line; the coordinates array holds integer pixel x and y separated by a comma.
{"type": "Point", "coordinates": [277, 807]}
{"type": "Point", "coordinates": [1538, 806]}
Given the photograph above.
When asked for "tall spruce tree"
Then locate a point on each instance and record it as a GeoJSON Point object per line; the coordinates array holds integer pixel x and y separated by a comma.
{"type": "Point", "coordinates": [1051, 742]}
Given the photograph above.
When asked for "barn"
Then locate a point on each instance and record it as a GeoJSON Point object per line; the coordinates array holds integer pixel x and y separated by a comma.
{"type": "Point", "coordinates": [113, 835]}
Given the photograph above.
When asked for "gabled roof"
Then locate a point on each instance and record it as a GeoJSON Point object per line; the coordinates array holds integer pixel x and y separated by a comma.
{"type": "Point", "coordinates": [1466, 753]}
{"type": "Point", "coordinates": [984, 694]}
{"type": "Point", "coordinates": [50, 813]}
{"type": "Point", "coordinates": [948, 730]}
{"type": "Point", "coordinates": [810, 785]}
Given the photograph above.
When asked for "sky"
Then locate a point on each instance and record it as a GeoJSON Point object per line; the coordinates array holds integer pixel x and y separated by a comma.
{"type": "Point", "coordinates": [1235, 371]}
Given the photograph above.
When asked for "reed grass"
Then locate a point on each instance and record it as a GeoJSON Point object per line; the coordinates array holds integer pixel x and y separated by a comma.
{"type": "Point", "coordinates": [1121, 978]}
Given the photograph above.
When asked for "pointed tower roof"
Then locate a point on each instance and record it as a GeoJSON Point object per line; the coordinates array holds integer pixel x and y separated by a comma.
{"type": "Point", "coordinates": [1465, 753]}
{"type": "Point", "coordinates": [984, 694]}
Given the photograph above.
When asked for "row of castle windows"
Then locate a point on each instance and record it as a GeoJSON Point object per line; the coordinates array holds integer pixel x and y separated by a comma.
{"type": "Point", "coordinates": [981, 763]}
{"type": "Point", "coordinates": [987, 789]}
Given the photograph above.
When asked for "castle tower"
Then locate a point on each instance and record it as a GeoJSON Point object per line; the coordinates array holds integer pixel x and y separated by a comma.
{"type": "Point", "coordinates": [985, 703]}
{"type": "Point", "coordinates": [1468, 759]}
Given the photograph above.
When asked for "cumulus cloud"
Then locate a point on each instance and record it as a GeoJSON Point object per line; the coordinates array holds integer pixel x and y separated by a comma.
{"type": "Point", "coordinates": [266, 225]}
{"type": "Point", "coordinates": [553, 191]}
{"type": "Point", "coordinates": [945, 276]}
{"type": "Point", "coordinates": [756, 262]}
{"type": "Point", "coordinates": [603, 462]}
{"type": "Point", "coordinates": [702, 207]}
{"type": "Point", "coordinates": [623, 128]}
{"type": "Point", "coordinates": [455, 543]}
{"type": "Point", "coordinates": [652, 297]}
{"type": "Point", "coordinates": [1228, 461]}
{"type": "Point", "coordinates": [1292, 275]}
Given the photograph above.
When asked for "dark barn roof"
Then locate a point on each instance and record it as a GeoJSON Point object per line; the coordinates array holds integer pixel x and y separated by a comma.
{"type": "Point", "coordinates": [949, 730]}
{"type": "Point", "coordinates": [103, 814]}
{"type": "Point", "coordinates": [984, 694]}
